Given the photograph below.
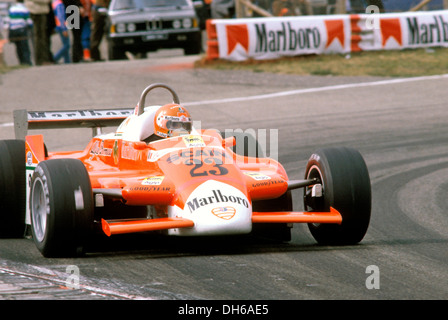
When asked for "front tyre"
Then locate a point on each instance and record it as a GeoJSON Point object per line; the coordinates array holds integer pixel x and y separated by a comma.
{"type": "Point", "coordinates": [61, 206]}
{"type": "Point", "coordinates": [115, 53]}
{"type": "Point", "coordinates": [345, 182]}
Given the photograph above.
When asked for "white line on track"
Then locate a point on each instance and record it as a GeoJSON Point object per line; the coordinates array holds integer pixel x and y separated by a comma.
{"type": "Point", "coordinates": [304, 91]}
{"type": "Point", "coordinates": [318, 89]}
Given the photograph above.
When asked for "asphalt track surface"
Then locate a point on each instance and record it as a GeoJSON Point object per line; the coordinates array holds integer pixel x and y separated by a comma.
{"type": "Point", "coordinates": [400, 127]}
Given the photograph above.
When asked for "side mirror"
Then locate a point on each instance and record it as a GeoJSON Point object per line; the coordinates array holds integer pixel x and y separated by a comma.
{"type": "Point", "coordinates": [228, 142]}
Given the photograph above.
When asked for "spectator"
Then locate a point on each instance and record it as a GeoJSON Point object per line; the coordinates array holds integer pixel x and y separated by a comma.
{"type": "Point", "coordinates": [61, 28]}
{"type": "Point", "coordinates": [98, 27]}
{"type": "Point", "coordinates": [85, 31]}
{"type": "Point", "coordinates": [222, 9]}
{"type": "Point", "coordinates": [74, 7]}
{"type": "Point", "coordinates": [2, 43]}
{"type": "Point", "coordinates": [19, 25]}
{"type": "Point", "coordinates": [39, 10]}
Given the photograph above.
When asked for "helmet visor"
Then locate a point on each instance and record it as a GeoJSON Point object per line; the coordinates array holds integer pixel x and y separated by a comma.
{"type": "Point", "coordinates": [178, 125]}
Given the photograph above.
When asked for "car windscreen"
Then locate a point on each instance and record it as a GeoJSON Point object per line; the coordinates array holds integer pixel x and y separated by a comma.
{"type": "Point", "coordinates": [123, 5]}
{"type": "Point", "coordinates": [163, 3]}
{"type": "Point", "coordinates": [140, 4]}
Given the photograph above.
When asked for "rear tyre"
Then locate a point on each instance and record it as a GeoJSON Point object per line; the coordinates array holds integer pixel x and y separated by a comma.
{"type": "Point", "coordinates": [61, 206]}
{"type": "Point", "coordinates": [346, 187]}
{"type": "Point", "coordinates": [12, 188]}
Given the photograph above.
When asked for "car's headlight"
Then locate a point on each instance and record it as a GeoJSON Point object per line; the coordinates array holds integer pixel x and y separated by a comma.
{"type": "Point", "coordinates": [120, 28]}
{"type": "Point", "coordinates": [186, 23]}
{"type": "Point", "coordinates": [176, 24]}
{"type": "Point", "coordinates": [131, 27]}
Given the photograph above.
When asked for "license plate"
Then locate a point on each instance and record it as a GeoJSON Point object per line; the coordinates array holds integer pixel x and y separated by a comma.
{"type": "Point", "coordinates": [156, 36]}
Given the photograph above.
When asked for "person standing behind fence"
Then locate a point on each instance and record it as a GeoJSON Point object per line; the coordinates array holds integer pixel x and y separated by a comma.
{"type": "Point", "coordinates": [61, 28]}
{"type": "Point", "coordinates": [98, 28]}
{"type": "Point", "coordinates": [85, 31]}
{"type": "Point", "coordinates": [19, 25]}
{"type": "Point", "coordinates": [74, 14]}
{"type": "Point", "coordinates": [39, 10]}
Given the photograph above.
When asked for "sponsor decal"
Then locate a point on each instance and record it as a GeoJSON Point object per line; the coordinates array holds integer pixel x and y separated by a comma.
{"type": "Point", "coordinates": [29, 158]}
{"type": "Point", "coordinates": [78, 114]}
{"type": "Point", "coordinates": [430, 31]}
{"type": "Point", "coordinates": [257, 176]}
{"type": "Point", "coordinates": [150, 189]}
{"type": "Point", "coordinates": [391, 28]}
{"type": "Point", "coordinates": [115, 151]}
{"type": "Point", "coordinates": [209, 156]}
{"type": "Point", "coordinates": [216, 197]}
{"type": "Point", "coordinates": [225, 213]}
{"type": "Point", "coordinates": [98, 149]}
{"type": "Point", "coordinates": [153, 181]}
{"type": "Point", "coordinates": [162, 134]}
{"type": "Point", "coordinates": [193, 141]}
{"type": "Point", "coordinates": [335, 31]}
{"type": "Point", "coordinates": [286, 38]}
{"type": "Point", "coordinates": [237, 34]}
{"type": "Point", "coordinates": [260, 38]}
{"type": "Point", "coordinates": [128, 152]}
{"type": "Point", "coordinates": [267, 183]}
{"type": "Point", "coordinates": [263, 38]}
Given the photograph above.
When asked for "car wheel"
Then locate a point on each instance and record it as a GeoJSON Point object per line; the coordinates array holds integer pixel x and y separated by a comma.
{"type": "Point", "coordinates": [115, 53]}
{"type": "Point", "coordinates": [345, 183]}
{"type": "Point", "coordinates": [12, 188]}
{"type": "Point", "coordinates": [61, 206]}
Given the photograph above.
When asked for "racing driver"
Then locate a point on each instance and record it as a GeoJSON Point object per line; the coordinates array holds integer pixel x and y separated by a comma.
{"type": "Point", "coordinates": [170, 120]}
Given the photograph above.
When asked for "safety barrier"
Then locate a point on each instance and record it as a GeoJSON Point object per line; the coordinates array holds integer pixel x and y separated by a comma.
{"type": "Point", "coordinates": [276, 37]}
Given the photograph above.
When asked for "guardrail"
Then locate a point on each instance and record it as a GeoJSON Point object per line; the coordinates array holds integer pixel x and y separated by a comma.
{"type": "Point", "coordinates": [276, 37]}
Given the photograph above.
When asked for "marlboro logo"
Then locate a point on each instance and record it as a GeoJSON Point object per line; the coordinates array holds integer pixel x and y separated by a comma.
{"type": "Point", "coordinates": [216, 197]}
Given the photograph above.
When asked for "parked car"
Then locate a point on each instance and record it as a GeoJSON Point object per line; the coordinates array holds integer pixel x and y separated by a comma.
{"type": "Point", "coordinates": [141, 26]}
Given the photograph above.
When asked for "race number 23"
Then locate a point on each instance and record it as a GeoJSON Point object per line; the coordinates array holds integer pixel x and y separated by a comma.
{"type": "Point", "coordinates": [199, 171]}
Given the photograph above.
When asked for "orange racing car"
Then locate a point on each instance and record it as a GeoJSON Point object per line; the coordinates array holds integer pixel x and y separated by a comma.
{"type": "Point", "coordinates": [157, 172]}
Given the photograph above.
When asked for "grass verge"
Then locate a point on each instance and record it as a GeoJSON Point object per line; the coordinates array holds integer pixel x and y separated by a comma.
{"type": "Point", "coordinates": [399, 63]}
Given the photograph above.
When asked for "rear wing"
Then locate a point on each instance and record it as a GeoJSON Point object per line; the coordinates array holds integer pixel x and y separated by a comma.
{"type": "Point", "coordinates": [93, 118]}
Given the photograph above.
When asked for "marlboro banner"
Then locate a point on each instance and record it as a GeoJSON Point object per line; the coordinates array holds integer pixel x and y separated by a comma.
{"type": "Point", "coordinates": [271, 38]}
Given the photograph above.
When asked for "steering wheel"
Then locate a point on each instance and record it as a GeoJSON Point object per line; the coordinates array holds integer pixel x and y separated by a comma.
{"type": "Point", "coordinates": [141, 103]}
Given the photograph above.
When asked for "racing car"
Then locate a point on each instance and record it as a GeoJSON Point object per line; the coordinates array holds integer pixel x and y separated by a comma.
{"type": "Point", "coordinates": [158, 173]}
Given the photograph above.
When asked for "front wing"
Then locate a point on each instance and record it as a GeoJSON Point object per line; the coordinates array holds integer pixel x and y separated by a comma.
{"type": "Point", "coordinates": [111, 227]}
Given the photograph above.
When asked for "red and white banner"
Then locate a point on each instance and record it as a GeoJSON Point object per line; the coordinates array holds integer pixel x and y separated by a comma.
{"type": "Point", "coordinates": [271, 38]}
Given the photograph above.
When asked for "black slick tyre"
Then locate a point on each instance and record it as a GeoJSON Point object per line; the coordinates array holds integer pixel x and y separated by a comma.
{"type": "Point", "coordinates": [12, 188]}
{"type": "Point", "coordinates": [61, 206]}
{"type": "Point", "coordinates": [345, 181]}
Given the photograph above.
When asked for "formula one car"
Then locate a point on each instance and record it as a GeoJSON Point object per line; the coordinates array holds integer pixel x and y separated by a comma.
{"type": "Point", "coordinates": [158, 173]}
